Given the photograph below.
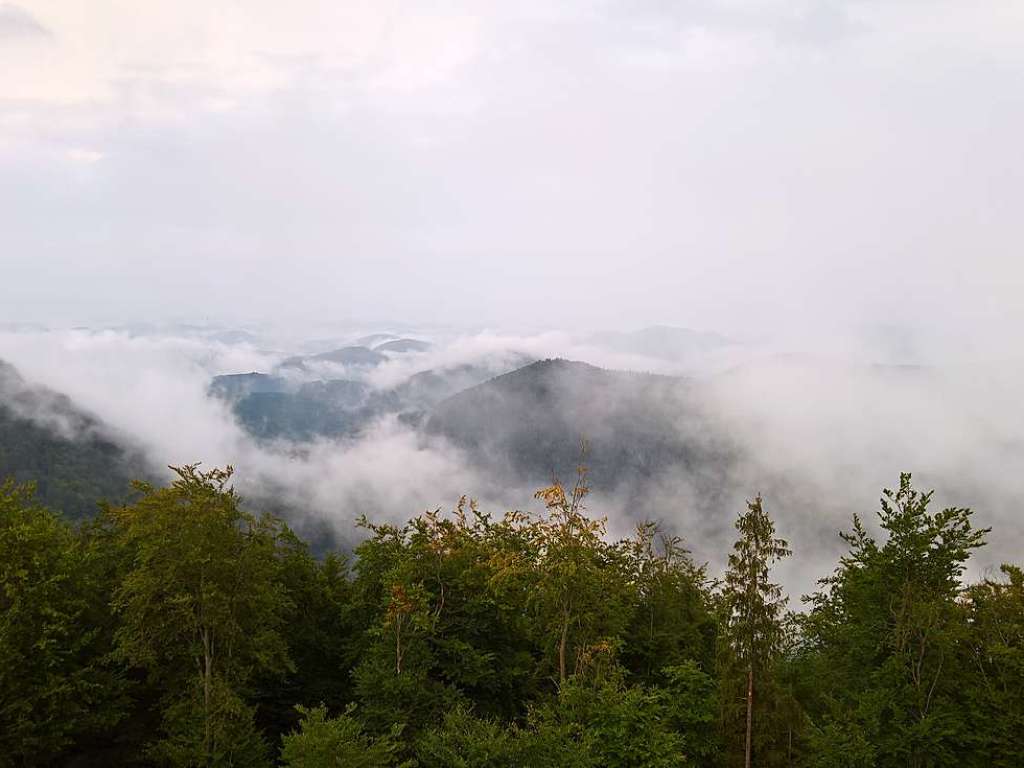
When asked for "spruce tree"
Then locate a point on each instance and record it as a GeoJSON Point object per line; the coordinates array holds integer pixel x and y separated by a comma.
{"type": "Point", "coordinates": [753, 605]}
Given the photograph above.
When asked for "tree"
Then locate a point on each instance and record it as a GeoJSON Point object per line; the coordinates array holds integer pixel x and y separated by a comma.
{"type": "Point", "coordinates": [397, 678]}
{"type": "Point", "coordinates": [594, 720]}
{"type": "Point", "coordinates": [885, 637]}
{"type": "Point", "coordinates": [319, 628]}
{"type": "Point", "coordinates": [200, 609]}
{"type": "Point", "coordinates": [995, 695]}
{"type": "Point", "coordinates": [338, 742]}
{"type": "Point", "coordinates": [580, 594]}
{"type": "Point", "coordinates": [56, 683]}
{"type": "Point", "coordinates": [463, 740]}
{"type": "Point", "coordinates": [673, 620]}
{"type": "Point", "coordinates": [753, 605]}
{"type": "Point", "coordinates": [597, 719]}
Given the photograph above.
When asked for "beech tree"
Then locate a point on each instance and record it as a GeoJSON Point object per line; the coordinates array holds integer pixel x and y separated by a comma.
{"type": "Point", "coordinates": [886, 636]}
{"type": "Point", "coordinates": [200, 611]}
{"type": "Point", "coordinates": [994, 610]}
{"type": "Point", "coordinates": [673, 619]}
{"type": "Point", "coordinates": [576, 596]}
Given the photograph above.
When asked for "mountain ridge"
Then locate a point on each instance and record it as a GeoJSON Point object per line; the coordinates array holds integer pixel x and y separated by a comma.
{"type": "Point", "coordinates": [73, 459]}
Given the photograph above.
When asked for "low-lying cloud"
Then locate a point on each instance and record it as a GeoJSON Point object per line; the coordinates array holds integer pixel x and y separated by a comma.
{"type": "Point", "coordinates": [819, 437]}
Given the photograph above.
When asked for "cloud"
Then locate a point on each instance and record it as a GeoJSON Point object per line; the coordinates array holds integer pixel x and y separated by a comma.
{"type": "Point", "coordinates": [16, 22]}
{"type": "Point", "coordinates": [152, 388]}
{"type": "Point", "coordinates": [84, 155]}
{"type": "Point", "coordinates": [496, 165]}
{"type": "Point", "coordinates": [819, 435]}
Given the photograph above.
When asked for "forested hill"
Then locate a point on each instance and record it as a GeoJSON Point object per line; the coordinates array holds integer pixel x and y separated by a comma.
{"type": "Point", "coordinates": [527, 425]}
{"type": "Point", "coordinates": [69, 455]}
{"type": "Point", "coordinates": [300, 401]}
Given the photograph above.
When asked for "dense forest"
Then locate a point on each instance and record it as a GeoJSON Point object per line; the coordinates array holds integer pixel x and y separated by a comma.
{"type": "Point", "coordinates": [185, 629]}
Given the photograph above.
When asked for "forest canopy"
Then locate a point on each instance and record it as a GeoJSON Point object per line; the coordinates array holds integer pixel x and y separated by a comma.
{"type": "Point", "coordinates": [186, 629]}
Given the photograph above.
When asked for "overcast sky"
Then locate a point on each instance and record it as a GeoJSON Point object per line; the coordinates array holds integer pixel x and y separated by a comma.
{"type": "Point", "coordinates": [727, 164]}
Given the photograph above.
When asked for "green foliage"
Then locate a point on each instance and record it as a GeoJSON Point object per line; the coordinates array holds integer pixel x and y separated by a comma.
{"type": "Point", "coordinates": [755, 713]}
{"type": "Point", "coordinates": [319, 630]}
{"type": "Point", "coordinates": [753, 604]}
{"type": "Point", "coordinates": [673, 621]}
{"type": "Point", "coordinates": [465, 741]}
{"type": "Point", "coordinates": [201, 602]}
{"type": "Point", "coordinates": [66, 456]}
{"type": "Point", "coordinates": [496, 613]}
{"type": "Point", "coordinates": [994, 611]}
{"type": "Point", "coordinates": [184, 630]}
{"type": "Point", "coordinates": [885, 636]}
{"type": "Point", "coordinates": [214, 729]}
{"type": "Point", "coordinates": [693, 706]}
{"type": "Point", "coordinates": [841, 743]}
{"type": "Point", "coordinates": [610, 723]}
{"type": "Point", "coordinates": [338, 742]}
{"type": "Point", "coordinates": [581, 595]}
{"type": "Point", "coordinates": [590, 722]}
{"type": "Point", "coordinates": [56, 685]}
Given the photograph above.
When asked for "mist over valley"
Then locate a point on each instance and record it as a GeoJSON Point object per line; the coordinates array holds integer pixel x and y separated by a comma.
{"type": "Point", "coordinates": [680, 426]}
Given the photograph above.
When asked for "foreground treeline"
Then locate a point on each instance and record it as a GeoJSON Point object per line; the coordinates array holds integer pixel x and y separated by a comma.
{"type": "Point", "coordinates": [183, 630]}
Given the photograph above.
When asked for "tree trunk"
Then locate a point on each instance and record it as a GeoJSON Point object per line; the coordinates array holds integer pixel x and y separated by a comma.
{"type": "Point", "coordinates": [561, 649]}
{"type": "Point", "coordinates": [207, 693]}
{"type": "Point", "coordinates": [750, 714]}
{"type": "Point", "coordinates": [398, 646]}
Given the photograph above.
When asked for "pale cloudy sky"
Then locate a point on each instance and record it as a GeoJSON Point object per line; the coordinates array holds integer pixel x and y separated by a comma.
{"type": "Point", "coordinates": [730, 164]}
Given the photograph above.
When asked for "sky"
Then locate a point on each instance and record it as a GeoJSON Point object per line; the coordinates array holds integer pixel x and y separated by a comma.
{"type": "Point", "coordinates": [719, 164]}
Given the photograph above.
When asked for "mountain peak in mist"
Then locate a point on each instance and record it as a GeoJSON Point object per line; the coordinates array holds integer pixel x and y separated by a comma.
{"type": "Point", "coordinates": [527, 425]}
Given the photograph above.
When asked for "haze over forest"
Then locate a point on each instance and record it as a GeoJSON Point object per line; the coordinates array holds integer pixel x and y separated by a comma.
{"type": "Point", "coordinates": [682, 426]}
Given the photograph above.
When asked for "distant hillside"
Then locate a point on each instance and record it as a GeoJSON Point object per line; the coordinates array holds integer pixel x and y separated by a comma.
{"type": "Point", "coordinates": [528, 424]}
{"type": "Point", "coordinates": [350, 356]}
{"type": "Point", "coordinates": [236, 385]}
{"type": "Point", "coordinates": [272, 407]}
{"type": "Point", "coordinates": [70, 456]}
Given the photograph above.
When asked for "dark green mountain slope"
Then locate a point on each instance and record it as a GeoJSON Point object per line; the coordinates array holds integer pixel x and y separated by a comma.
{"type": "Point", "coordinates": [528, 424]}
{"type": "Point", "coordinates": [69, 455]}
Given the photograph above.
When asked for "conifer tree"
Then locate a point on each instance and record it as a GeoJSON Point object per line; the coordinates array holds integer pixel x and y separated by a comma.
{"type": "Point", "coordinates": [753, 604]}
